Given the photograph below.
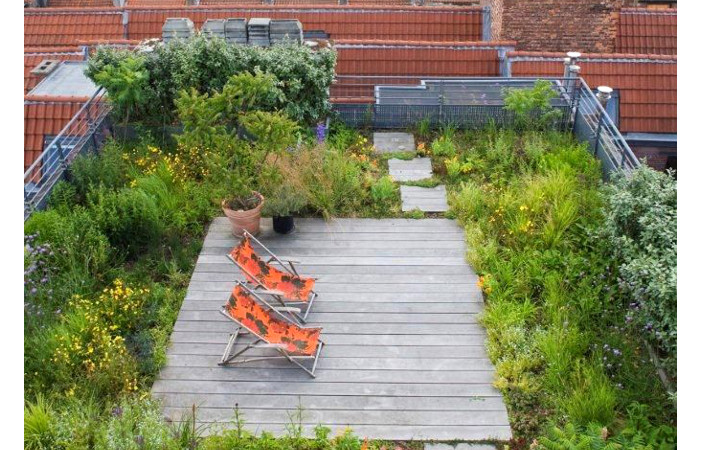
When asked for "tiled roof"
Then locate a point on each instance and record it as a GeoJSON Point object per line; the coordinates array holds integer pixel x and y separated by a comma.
{"type": "Point", "coordinates": [647, 84]}
{"type": "Point", "coordinates": [45, 117]}
{"type": "Point", "coordinates": [51, 27]}
{"type": "Point", "coordinates": [341, 22]}
{"type": "Point", "coordinates": [156, 2]}
{"type": "Point", "coordinates": [409, 60]}
{"type": "Point", "coordinates": [418, 58]}
{"type": "Point", "coordinates": [32, 57]}
{"type": "Point", "coordinates": [643, 30]}
{"type": "Point", "coordinates": [79, 3]}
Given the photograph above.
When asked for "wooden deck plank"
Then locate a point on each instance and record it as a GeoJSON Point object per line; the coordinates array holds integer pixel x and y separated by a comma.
{"type": "Point", "coordinates": [405, 355]}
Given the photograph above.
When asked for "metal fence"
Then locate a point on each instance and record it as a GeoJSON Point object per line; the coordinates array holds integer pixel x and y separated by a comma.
{"type": "Point", "coordinates": [473, 103]}
{"type": "Point", "coordinates": [593, 125]}
{"type": "Point", "coordinates": [85, 132]}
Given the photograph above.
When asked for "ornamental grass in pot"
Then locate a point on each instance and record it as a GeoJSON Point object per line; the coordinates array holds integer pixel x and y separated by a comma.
{"type": "Point", "coordinates": [285, 201]}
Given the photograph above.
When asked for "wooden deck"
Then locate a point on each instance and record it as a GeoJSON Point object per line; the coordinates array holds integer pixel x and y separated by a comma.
{"type": "Point", "coordinates": [405, 356]}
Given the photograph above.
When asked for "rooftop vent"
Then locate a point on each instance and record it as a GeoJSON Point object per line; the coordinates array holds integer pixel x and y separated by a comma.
{"type": "Point", "coordinates": [177, 28]}
{"type": "Point", "coordinates": [259, 32]}
{"type": "Point", "coordinates": [213, 28]}
{"type": "Point", "coordinates": [235, 31]}
{"type": "Point", "coordinates": [289, 30]}
{"type": "Point", "coordinates": [45, 67]}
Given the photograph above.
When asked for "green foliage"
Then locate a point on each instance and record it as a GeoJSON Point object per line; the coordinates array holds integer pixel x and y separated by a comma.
{"type": "Point", "coordinates": [39, 425]}
{"type": "Point", "coordinates": [532, 107]}
{"type": "Point", "coordinates": [423, 128]}
{"type": "Point", "coordinates": [126, 83]}
{"type": "Point", "coordinates": [383, 190]}
{"type": "Point", "coordinates": [109, 169]}
{"type": "Point", "coordinates": [640, 227]}
{"type": "Point", "coordinates": [206, 65]}
{"type": "Point", "coordinates": [284, 200]}
{"type": "Point", "coordinates": [527, 203]}
{"type": "Point", "coordinates": [592, 399]}
{"type": "Point", "coordinates": [443, 146]}
{"type": "Point", "coordinates": [128, 217]}
{"type": "Point", "coordinates": [637, 434]}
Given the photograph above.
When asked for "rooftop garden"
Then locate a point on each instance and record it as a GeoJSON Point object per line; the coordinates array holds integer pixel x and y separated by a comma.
{"type": "Point", "coordinates": [579, 276]}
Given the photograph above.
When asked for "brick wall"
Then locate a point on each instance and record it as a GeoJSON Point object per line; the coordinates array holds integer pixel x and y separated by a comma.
{"type": "Point", "coordinates": [558, 25]}
{"type": "Point", "coordinates": [657, 157]}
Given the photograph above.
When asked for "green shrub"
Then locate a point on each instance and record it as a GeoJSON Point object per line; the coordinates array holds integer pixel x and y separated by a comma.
{"type": "Point", "coordinates": [207, 64]}
{"type": "Point", "coordinates": [128, 217]}
{"type": "Point", "coordinates": [532, 107]}
{"type": "Point", "coordinates": [383, 190]}
{"type": "Point", "coordinates": [443, 147]}
{"type": "Point", "coordinates": [80, 250]}
{"type": "Point", "coordinates": [640, 227]}
{"type": "Point", "coordinates": [108, 169]}
{"type": "Point", "coordinates": [136, 424]}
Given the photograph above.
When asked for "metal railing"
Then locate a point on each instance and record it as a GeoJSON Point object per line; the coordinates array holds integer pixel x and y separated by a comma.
{"type": "Point", "coordinates": [467, 102]}
{"type": "Point", "coordinates": [82, 133]}
{"type": "Point", "coordinates": [593, 125]}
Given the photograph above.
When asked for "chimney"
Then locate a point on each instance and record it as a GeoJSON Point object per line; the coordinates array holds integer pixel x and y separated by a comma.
{"type": "Point", "coordinates": [604, 94]}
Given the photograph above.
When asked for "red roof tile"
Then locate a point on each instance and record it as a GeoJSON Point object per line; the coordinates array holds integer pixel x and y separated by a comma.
{"type": "Point", "coordinates": [32, 57]}
{"type": "Point", "coordinates": [642, 30]}
{"type": "Point", "coordinates": [45, 118]}
{"type": "Point", "coordinates": [647, 84]}
{"type": "Point", "coordinates": [54, 27]}
{"type": "Point", "coordinates": [79, 3]}
{"type": "Point", "coordinates": [341, 22]}
{"type": "Point", "coordinates": [156, 2]}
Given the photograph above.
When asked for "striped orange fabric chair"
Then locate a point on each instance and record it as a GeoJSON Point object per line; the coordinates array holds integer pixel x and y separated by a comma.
{"type": "Point", "coordinates": [286, 285]}
{"type": "Point", "coordinates": [255, 316]}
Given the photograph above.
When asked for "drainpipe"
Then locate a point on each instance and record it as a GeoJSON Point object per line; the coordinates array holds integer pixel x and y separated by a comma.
{"type": "Point", "coordinates": [566, 65]}
{"type": "Point", "coordinates": [487, 24]}
{"type": "Point", "coordinates": [125, 24]}
{"type": "Point", "coordinates": [572, 73]}
{"type": "Point", "coordinates": [604, 94]}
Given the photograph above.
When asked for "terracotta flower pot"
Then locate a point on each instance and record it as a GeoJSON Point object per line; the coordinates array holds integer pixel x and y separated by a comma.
{"type": "Point", "coordinates": [249, 220]}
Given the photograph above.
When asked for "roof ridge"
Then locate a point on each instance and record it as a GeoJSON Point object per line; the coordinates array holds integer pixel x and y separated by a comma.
{"type": "Point", "coordinates": [45, 99]}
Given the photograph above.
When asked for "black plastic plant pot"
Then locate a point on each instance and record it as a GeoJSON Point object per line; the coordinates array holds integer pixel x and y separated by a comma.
{"type": "Point", "coordinates": [283, 225]}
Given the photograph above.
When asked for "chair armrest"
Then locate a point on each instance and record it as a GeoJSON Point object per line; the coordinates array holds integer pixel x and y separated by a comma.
{"type": "Point", "coordinates": [288, 309]}
{"type": "Point", "coordinates": [269, 292]}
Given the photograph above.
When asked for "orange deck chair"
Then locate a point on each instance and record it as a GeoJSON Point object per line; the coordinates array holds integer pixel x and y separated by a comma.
{"type": "Point", "coordinates": [285, 285]}
{"type": "Point", "coordinates": [293, 342]}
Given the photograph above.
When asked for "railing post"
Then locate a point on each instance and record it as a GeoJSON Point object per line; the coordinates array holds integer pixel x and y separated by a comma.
{"type": "Point", "coordinates": [441, 103]}
{"type": "Point", "coordinates": [92, 129]}
{"type": "Point", "coordinates": [604, 94]}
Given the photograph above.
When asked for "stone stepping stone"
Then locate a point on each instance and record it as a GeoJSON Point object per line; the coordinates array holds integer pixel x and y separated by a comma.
{"type": "Point", "coordinates": [411, 170]}
{"type": "Point", "coordinates": [426, 199]}
{"type": "Point", "coordinates": [393, 142]}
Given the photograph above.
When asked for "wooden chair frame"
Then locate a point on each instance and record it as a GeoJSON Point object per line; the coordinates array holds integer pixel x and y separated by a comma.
{"type": "Point", "coordinates": [296, 313]}
{"type": "Point", "coordinates": [229, 357]}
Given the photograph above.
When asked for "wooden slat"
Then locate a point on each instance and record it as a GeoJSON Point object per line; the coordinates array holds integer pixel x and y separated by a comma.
{"type": "Point", "coordinates": [404, 355]}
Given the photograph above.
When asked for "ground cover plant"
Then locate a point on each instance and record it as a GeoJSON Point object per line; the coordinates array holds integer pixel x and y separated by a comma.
{"type": "Point", "coordinates": [562, 258]}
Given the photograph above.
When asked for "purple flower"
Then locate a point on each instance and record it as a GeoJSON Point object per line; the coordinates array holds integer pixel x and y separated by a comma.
{"type": "Point", "coordinates": [321, 132]}
{"type": "Point", "coordinates": [616, 352]}
{"type": "Point", "coordinates": [117, 411]}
